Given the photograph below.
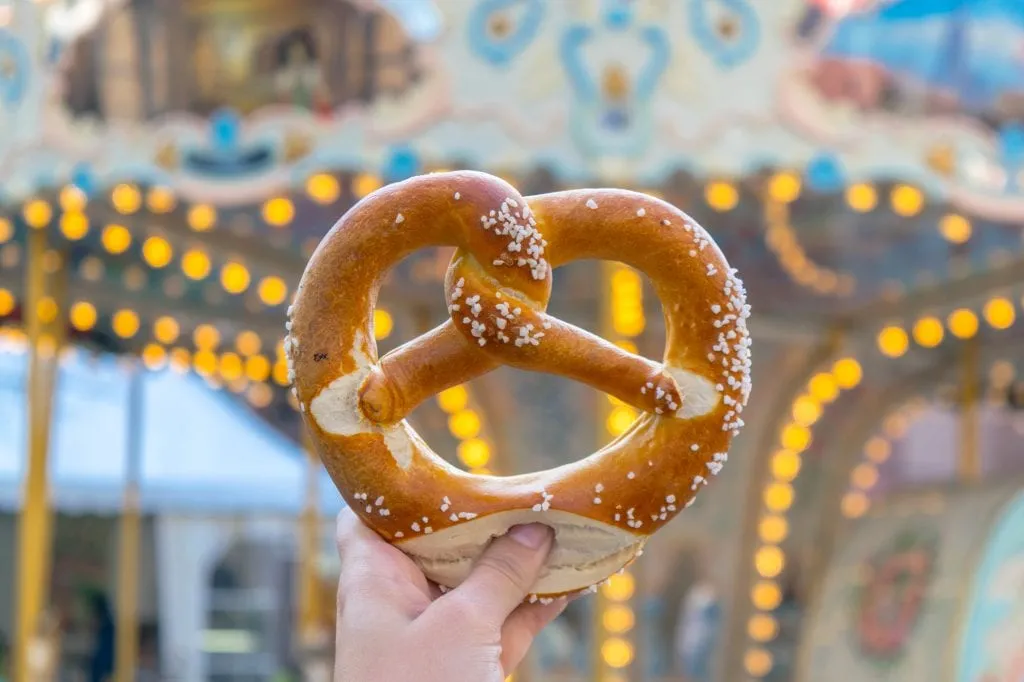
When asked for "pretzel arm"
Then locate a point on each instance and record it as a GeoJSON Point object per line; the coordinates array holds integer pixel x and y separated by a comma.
{"type": "Point", "coordinates": [417, 370]}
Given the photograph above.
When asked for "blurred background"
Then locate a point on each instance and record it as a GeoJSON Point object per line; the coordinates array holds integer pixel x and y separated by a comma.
{"type": "Point", "coordinates": [167, 167]}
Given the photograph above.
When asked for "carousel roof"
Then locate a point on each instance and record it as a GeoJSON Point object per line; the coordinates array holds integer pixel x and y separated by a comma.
{"type": "Point", "coordinates": [198, 452]}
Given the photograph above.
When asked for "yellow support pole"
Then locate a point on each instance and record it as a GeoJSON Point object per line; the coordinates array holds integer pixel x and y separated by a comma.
{"type": "Point", "coordinates": [127, 645]}
{"type": "Point", "coordinates": [45, 327]}
{"type": "Point", "coordinates": [970, 457]}
{"type": "Point", "coordinates": [309, 619]}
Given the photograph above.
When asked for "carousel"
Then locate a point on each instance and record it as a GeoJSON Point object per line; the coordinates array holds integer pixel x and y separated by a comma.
{"type": "Point", "coordinates": [166, 169]}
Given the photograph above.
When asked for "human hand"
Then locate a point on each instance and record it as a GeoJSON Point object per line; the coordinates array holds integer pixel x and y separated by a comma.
{"type": "Point", "coordinates": [395, 626]}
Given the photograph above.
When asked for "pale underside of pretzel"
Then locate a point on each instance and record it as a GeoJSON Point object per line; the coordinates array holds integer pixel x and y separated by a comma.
{"type": "Point", "coordinates": [603, 507]}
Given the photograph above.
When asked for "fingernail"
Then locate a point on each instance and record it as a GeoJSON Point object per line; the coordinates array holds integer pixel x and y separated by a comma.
{"type": "Point", "coordinates": [534, 535]}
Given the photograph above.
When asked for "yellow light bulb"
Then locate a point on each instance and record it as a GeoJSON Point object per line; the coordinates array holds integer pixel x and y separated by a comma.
{"type": "Point", "coordinates": [364, 184]}
{"type": "Point", "coordinates": [786, 465]}
{"type": "Point", "coordinates": [382, 324]}
{"type": "Point", "coordinates": [259, 396]}
{"type": "Point", "coordinates": [323, 188]}
{"type": "Point", "coordinates": [234, 277]}
{"type": "Point", "coordinates": [126, 198]}
{"type": "Point", "coordinates": [160, 200]}
{"type": "Point", "coordinates": [74, 225]}
{"type": "Point", "coordinates": [47, 310]}
{"type": "Point", "coordinates": [272, 291]}
{"type": "Point", "coordinates": [721, 196]}
{"type": "Point", "coordinates": [893, 342]}
{"type": "Point", "coordinates": [206, 337]}
{"type": "Point", "coordinates": [201, 217]}
{"type": "Point", "coordinates": [620, 419]}
{"type": "Point", "coordinates": [795, 437]}
{"type": "Point", "coordinates": [464, 424]}
{"type": "Point", "coordinates": [116, 239]}
{"type": "Point", "coordinates": [769, 561]}
{"type": "Point", "coordinates": [37, 213]}
{"type": "Point", "coordinates": [166, 330]}
{"type": "Point", "coordinates": [154, 357]}
{"type": "Point", "coordinates": [157, 252]}
{"type": "Point", "coordinates": [877, 450]}
{"type": "Point", "coordinates": [823, 387]}
{"type": "Point", "coordinates": [248, 343]}
{"type": "Point", "coordinates": [257, 368]}
{"type": "Point", "coordinates": [1000, 313]}
{"type": "Point", "coordinates": [955, 229]}
{"type": "Point", "coordinates": [928, 332]}
{"type": "Point", "coordinates": [82, 316]}
{"type": "Point", "coordinates": [806, 410]}
{"type": "Point", "coordinates": [620, 587]}
{"type": "Point", "coordinates": [126, 323]}
{"type": "Point", "coordinates": [204, 362]}
{"type": "Point", "coordinates": [618, 619]}
{"type": "Point", "coordinates": [758, 662]}
{"type": "Point", "coordinates": [848, 373]}
{"type": "Point", "coordinates": [453, 399]}
{"type": "Point", "coordinates": [195, 264]}
{"type": "Point", "coordinates": [778, 497]}
{"type": "Point", "coordinates": [7, 302]}
{"type": "Point", "coordinates": [861, 197]}
{"type": "Point", "coordinates": [6, 230]}
{"type": "Point", "coordinates": [762, 628]}
{"type": "Point", "coordinates": [864, 476]}
{"type": "Point", "coordinates": [963, 323]}
{"type": "Point", "coordinates": [784, 187]}
{"type": "Point", "coordinates": [474, 453]}
{"type": "Point", "coordinates": [766, 596]}
{"type": "Point", "coordinates": [773, 529]}
{"type": "Point", "coordinates": [616, 652]}
{"type": "Point", "coordinates": [231, 366]}
{"type": "Point", "coordinates": [72, 199]}
{"type": "Point", "coordinates": [278, 211]}
{"type": "Point", "coordinates": [906, 201]}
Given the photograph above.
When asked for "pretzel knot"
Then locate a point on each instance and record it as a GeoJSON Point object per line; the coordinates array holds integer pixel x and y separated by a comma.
{"type": "Point", "coordinates": [497, 290]}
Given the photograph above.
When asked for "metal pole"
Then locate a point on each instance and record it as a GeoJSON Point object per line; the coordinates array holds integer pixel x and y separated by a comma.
{"type": "Point", "coordinates": [970, 456]}
{"type": "Point", "coordinates": [309, 620]}
{"type": "Point", "coordinates": [131, 522]}
{"type": "Point", "coordinates": [34, 520]}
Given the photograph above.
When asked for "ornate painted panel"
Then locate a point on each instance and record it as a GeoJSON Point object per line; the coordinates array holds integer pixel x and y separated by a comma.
{"type": "Point", "coordinates": [227, 101]}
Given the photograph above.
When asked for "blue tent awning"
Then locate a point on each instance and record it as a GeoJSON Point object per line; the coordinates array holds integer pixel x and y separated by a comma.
{"type": "Point", "coordinates": [201, 451]}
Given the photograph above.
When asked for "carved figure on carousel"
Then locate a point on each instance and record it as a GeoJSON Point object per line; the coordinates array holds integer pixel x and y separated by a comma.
{"type": "Point", "coordinates": [298, 78]}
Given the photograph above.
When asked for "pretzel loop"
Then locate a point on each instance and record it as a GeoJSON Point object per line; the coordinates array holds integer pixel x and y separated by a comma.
{"type": "Point", "coordinates": [498, 284]}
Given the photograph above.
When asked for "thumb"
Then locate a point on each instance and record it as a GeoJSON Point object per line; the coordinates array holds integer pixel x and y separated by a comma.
{"type": "Point", "coordinates": [506, 572]}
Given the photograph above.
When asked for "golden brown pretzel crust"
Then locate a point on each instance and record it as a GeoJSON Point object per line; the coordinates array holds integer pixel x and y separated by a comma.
{"type": "Point", "coordinates": [497, 288]}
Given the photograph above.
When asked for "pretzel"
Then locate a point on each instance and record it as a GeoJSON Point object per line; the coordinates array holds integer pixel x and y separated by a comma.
{"type": "Point", "coordinates": [602, 508]}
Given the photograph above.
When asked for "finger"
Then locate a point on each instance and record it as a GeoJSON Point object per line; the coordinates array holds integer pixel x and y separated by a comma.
{"type": "Point", "coordinates": [374, 574]}
{"type": "Point", "coordinates": [504, 575]}
{"type": "Point", "coordinates": [522, 626]}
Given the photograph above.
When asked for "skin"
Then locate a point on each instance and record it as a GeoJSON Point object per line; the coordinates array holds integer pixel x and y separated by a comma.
{"type": "Point", "coordinates": [393, 624]}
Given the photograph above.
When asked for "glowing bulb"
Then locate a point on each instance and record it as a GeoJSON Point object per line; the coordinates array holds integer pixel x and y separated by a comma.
{"type": "Point", "coordinates": [721, 196]}
{"type": "Point", "coordinates": [166, 330]}
{"type": "Point", "coordinates": [893, 341]}
{"type": "Point", "coordinates": [464, 424]}
{"type": "Point", "coordinates": [616, 652]}
{"type": "Point", "coordinates": [272, 291]}
{"type": "Point", "coordinates": [773, 529]}
{"type": "Point", "coordinates": [963, 323]}
{"type": "Point", "coordinates": [806, 410]}
{"type": "Point", "coordinates": [620, 419]}
{"type": "Point", "coordinates": [877, 450]}
{"type": "Point", "coordinates": [82, 316]}
{"type": "Point", "coordinates": [766, 596]}
{"type": "Point", "coordinates": [195, 264]}
{"type": "Point", "coordinates": [278, 211]}
{"type": "Point", "coordinates": [47, 310]}
{"type": "Point", "coordinates": [854, 505]}
{"type": "Point", "coordinates": [769, 561]}
{"type": "Point", "coordinates": [795, 437]}
{"type": "Point", "coordinates": [928, 332]}
{"type": "Point", "coordinates": [786, 465]}
{"type": "Point", "coordinates": [6, 230]}
{"type": "Point", "coordinates": [154, 357]}
{"type": "Point", "coordinates": [74, 225]}
{"type": "Point", "coordinates": [72, 199]}
{"type": "Point", "coordinates": [160, 200]}
{"type": "Point", "coordinates": [955, 229]}
{"type": "Point", "coordinates": [157, 252]}
{"type": "Point", "coordinates": [906, 201]}
{"type": "Point", "coordinates": [620, 587]}
{"type": "Point", "coordinates": [618, 619]}
{"type": "Point", "coordinates": [323, 188]}
{"type": "Point", "coordinates": [382, 324]}
{"type": "Point", "coordinates": [126, 199]}
{"type": "Point", "coordinates": [784, 187]}
{"type": "Point", "coordinates": [37, 213]}
{"type": "Point", "coordinates": [758, 662]}
{"type": "Point", "coordinates": [257, 368]}
{"type": "Point", "coordinates": [453, 399]}
{"type": "Point", "coordinates": [206, 337]}
{"type": "Point", "coordinates": [126, 323]}
{"type": "Point", "coordinates": [364, 184]}
{"type": "Point", "coordinates": [234, 277]}
{"type": "Point", "coordinates": [231, 366]}
{"type": "Point", "coordinates": [762, 628]}
{"type": "Point", "coordinates": [864, 476]}
{"type": "Point", "coordinates": [847, 372]}
{"type": "Point", "coordinates": [823, 387]}
{"type": "Point", "coordinates": [248, 343]}
{"type": "Point", "coordinates": [474, 453]}
{"type": "Point", "coordinates": [861, 197]}
{"type": "Point", "coordinates": [778, 497]}
{"type": "Point", "coordinates": [116, 239]}
{"type": "Point", "coordinates": [201, 217]}
{"type": "Point", "coordinates": [1000, 313]}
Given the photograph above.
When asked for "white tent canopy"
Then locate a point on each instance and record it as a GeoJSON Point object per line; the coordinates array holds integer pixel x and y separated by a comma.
{"type": "Point", "coordinates": [201, 451]}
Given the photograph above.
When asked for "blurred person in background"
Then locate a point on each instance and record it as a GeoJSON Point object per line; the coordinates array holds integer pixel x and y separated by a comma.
{"type": "Point", "coordinates": [697, 631]}
{"type": "Point", "coordinates": [101, 657]}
